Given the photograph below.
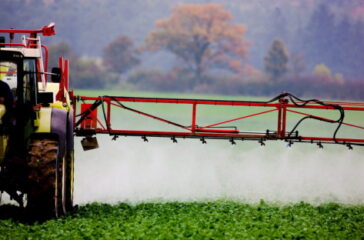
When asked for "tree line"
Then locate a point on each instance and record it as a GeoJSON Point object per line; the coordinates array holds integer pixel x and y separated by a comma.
{"type": "Point", "coordinates": [210, 57]}
{"type": "Point", "coordinates": [213, 52]}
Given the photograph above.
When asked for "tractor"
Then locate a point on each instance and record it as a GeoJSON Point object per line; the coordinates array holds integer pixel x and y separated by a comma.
{"type": "Point", "coordinates": [36, 130]}
{"type": "Point", "coordinates": [40, 117]}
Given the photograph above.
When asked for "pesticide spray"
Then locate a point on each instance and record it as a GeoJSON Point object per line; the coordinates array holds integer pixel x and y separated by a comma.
{"type": "Point", "coordinates": [129, 170]}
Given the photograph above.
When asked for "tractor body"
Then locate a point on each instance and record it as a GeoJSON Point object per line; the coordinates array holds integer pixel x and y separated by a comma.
{"type": "Point", "coordinates": [36, 130]}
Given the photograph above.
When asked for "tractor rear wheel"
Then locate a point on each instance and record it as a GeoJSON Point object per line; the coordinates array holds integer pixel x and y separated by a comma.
{"type": "Point", "coordinates": [68, 186]}
{"type": "Point", "coordinates": [47, 179]}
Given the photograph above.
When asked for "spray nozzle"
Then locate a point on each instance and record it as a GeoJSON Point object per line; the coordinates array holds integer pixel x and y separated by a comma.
{"type": "Point", "coordinates": [174, 140]}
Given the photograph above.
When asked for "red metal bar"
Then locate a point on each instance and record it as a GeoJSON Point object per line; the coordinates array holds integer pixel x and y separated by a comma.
{"type": "Point", "coordinates": [284, 120]}
{"type": "Point", "coordinates": [352, 125]}
{"type": "Point", "coordinates": [342, 103]}
{"type": "Point", "coordinates": [45, 61]}
{"type": "Point", "coordinates": [217, 130]}
{"type": "Point", "coordinates": [327, 119]}
{"type": "Point", "coordinates": [208, 131]}
{"type": "Point", "coordinates": [108, 114]}
{"type": "Point", "coordinates": [279, 123]}
{"type": "Point", "coordinates": [102, 125]}
{"type": "Point", "coordinates": [214, 102]}
{"type": "Point", "coordinates": [66, 74]}
{"type": "Point", "coordinates": [182, 101]}
{"type": "Point", "coordinates": [153, 117]}
{"type": "Point", "coordinates": [39, 75]}
{"type": "Point", "coordinates": [223, 135]}
{"type": "Point", "coordinates": [239, 118]}
{"type": "Point", "coordinates": [46, 30]}
{"type": "Point", "coordinates": [63, 85]}
{"type": "Point", "coordinates": [180, 134]}
{"type": "Point", "coordinates": [326, 139]}
{"type": "Point", "coordinates": [325, 107]}
{"type": "Point", "coordinates": [60, 94]}
{"type": "Point", "coordinates": [193, 125]}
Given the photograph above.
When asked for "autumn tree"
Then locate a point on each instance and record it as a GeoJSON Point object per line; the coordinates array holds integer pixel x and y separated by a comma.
{"type": "Point", "coordinates": [120, 55]}
{"type": "Point", "coordinates": [276, 61]}
{"type": "Point", "coordinates": [202, 36]}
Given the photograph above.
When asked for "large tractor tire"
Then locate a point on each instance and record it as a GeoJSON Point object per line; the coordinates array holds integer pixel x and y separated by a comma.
{"type": "Point", "coordinates": [50, 187]}
{"type": "Point", "coordinates": [69, 187]}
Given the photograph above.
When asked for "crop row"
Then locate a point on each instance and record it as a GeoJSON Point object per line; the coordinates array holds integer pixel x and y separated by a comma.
{"type": "Point", "coordinates": [196, 220]}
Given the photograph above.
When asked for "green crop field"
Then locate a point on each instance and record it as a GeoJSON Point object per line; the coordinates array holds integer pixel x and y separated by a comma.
{"type": "Point", "coordinates": [197, 220]}
{"type": "Point", "coordinates": [153, 205]}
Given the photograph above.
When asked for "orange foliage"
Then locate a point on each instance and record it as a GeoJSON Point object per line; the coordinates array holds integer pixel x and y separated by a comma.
{"type": "Point", "coordinates": [202, 35]}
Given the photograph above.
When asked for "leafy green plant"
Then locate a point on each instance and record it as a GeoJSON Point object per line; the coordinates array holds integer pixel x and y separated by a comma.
{"type": "Point", "coordinates": [197, 220]}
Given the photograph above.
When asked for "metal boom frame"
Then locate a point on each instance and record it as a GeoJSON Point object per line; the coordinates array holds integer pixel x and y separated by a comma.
{"type": "Point", "coordinates": [88, 124]}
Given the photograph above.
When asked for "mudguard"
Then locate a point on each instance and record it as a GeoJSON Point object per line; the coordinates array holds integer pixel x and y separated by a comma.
{"type": "Point", "coordinates": [59, 123]}
{"type": "Point", "coordinates": [70, 140]}
{"type": "Point", "coordinates": [59, 127]}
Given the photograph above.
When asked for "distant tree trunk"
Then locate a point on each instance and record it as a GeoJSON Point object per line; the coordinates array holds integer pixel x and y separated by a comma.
{"type": "Point", "coordinates": [199, 68]}
{"type": "Point", "coordinates": [275, 63]}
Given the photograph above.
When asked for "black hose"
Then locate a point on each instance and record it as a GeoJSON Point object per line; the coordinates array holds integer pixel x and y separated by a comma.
{"type": "Point", "coordinates": [340, 120]}
{"type": "Point", "coordinates": [85, 114]}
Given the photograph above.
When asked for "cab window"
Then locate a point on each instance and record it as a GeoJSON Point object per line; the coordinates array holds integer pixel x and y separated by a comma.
{"type": "Point", "coordinates": [8, 74]}
{"type": "Point", "coordinates": [29, 84]}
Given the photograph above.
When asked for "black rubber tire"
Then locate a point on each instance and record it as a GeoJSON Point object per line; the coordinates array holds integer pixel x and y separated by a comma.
{"type": "Point", "coordinates": [69, 185]}
{"type": "Point", "coordinates": [46, 179]}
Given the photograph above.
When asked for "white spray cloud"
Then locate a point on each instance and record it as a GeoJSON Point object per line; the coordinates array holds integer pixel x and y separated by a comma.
{"type": "Point", "coordinates": [129, 170]}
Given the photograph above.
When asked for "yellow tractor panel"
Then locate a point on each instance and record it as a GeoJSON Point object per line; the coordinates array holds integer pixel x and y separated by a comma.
{"type": "Point", "coordinates": [2, 112]}
{"type": "Point", "coordinates": [3, 145]}
{"type": "Point", "coordinates": [43, 121]}
{"type": "Point", "coordinates": [3, 138]}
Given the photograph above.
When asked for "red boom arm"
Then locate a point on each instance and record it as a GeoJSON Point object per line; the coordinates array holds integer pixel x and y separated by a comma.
{"type": "Point", "coordinates": [89, 123]}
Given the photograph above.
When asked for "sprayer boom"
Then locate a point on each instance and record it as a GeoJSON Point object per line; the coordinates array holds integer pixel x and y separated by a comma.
{"type": "Point", "coordinates": [95, 118]}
